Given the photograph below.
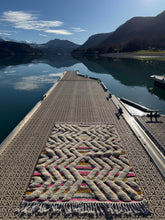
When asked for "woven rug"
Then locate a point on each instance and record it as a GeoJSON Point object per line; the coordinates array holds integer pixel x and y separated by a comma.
{"type": "Point", "coordinates": [83, 171]}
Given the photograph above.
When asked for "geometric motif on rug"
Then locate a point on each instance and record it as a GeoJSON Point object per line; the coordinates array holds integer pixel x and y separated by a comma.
{"type": "Point", "coordinates": [83, 170]}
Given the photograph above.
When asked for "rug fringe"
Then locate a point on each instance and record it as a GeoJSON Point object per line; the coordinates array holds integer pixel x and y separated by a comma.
{"type": "Point", "coordinates": [82, 209]}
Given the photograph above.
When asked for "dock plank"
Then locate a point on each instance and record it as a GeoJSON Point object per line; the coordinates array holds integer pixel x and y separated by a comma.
{"type": "Point", "coordinates": [75, 99]}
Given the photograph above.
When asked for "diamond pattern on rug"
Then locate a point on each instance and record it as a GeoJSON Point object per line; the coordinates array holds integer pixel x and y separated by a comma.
{"type": "Point", "coordinates": [83, 164]}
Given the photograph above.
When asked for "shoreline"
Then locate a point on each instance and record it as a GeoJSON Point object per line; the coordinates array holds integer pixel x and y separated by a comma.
{"type": "Point", "coordinates": [155, 55]}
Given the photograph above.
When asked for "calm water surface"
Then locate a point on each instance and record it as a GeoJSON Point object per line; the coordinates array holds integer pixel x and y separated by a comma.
{"type": "Point", "coordinates": [22, 84]}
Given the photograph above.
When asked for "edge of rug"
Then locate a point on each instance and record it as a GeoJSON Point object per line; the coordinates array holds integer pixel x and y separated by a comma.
{"type": "Point", "coordinates": [82, 209]}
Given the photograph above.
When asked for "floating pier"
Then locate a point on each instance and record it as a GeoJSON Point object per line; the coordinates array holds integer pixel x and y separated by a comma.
{"type": "Point", "coordinates": [81, 100]}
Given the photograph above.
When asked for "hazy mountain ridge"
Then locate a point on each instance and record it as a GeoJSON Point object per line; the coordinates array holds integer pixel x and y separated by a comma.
{"type": "Point", "coordinates": [56, 47]}
{"type": "Point", "coordinates": [11, 49]}
{"type": "Point", "coordinates": [1, 39]}
{"type": "Point", "coordinates": [135, 34]}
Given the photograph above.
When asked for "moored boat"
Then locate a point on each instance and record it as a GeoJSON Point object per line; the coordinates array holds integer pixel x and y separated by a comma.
{"type": "Point", "coordinates": [159, 80]}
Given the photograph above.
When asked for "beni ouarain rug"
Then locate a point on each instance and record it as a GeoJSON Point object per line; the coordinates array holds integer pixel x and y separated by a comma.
{"type": "Point", "coordinates": [83, 170]}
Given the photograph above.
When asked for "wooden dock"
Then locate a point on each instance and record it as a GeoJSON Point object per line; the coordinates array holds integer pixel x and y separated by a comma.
{"type": "Point", "coordinates": [74, 99]}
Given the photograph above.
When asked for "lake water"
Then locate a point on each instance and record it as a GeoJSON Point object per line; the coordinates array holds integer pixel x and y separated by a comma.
{"type": "Point", "coordinates": [23, 82]}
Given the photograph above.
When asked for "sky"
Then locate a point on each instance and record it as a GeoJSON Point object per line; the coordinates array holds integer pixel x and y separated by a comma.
{"type": "Point", "coordinates": [39, 21]}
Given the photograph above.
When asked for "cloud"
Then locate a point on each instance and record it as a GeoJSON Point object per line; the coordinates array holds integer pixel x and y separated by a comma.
{"type": "Point", "coordinates": [32, 82]}
{"type": "Point", "coordinates": [6, 34]}
{"type": "Point", "coordinates": [26, 85]}
{"type": "Point", "coordinates": [77, 29]}
{"type": "Point", "coordinates": [35, 82]}
{"type": "Point", "coordinates": [55, 74]}
{"type": "Point", "coordinates": [43, 35]}
{"type": "Point", "coordinates": [46, 71]}
{"type": "Point", "coordinates": [63, 32]}
{"type": "Point", "coordinates": [10, 72]}
{"type": "Point", "coordinates": [28, 21]}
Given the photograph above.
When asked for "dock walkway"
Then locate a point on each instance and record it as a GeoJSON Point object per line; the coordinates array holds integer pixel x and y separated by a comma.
{"type": "Point", "coordinates": [74, 99]}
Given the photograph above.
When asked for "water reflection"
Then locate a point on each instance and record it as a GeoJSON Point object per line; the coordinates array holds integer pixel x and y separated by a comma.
{"type": "Point", "coordinates": [30, 74]}
{"type": "Point", "coordinates": [23, 81]}
{"type": "Point", "coordinates": [16, 60]}
{"type": "Point", "coordinates": [54, 61]}
{"type": "Point", "coordinates": [129, 72]}
{"type": "Point", "coordinates": [35, 82]}
{"type": "Point", "coordinates": [58, 61]}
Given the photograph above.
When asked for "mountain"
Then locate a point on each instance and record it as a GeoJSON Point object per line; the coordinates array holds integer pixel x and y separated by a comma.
{"type": "Point", "coordinates": [135, 34]}
{"type": "Point", "coordinates": [1, 39]}
{"type": "Point", "coordinates": [9, 39]}
{"type": "Point", "coordinates": [4, 39]}
{"type": "Point", "coordinates": [94, 40]}
{"type": "Point", "coordinates": [144, 28]}
{"type": "Point", "coordinates": [61, 44]}
{"type": "Point", "coordinates": [11, 49]}
{"type": "Point", "coordinates": [56, 47]}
